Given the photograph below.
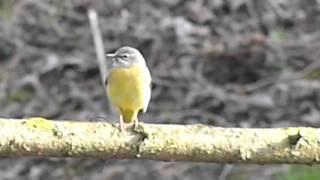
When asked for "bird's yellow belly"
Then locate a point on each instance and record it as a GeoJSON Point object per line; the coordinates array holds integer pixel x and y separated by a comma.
{"type": "Point", "coordinates": [126, 88]}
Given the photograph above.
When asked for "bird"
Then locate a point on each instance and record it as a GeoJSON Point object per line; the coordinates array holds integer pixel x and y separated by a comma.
{"type": "Point", "coordinates": [128, 84]}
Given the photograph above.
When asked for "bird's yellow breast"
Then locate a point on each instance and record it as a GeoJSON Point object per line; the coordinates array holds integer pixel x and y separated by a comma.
{"type": "Point", "coordinates": [127, 87]}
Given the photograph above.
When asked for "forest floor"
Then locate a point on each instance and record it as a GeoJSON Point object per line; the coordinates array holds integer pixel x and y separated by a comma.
{"type": "Point", "coordinates": [223, 63]}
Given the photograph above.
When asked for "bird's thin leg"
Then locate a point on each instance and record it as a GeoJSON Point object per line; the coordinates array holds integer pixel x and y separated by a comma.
{"type": "Point", "coordinates": [135, 123]}
{"type": "Point", "coordinates": [121, 123]}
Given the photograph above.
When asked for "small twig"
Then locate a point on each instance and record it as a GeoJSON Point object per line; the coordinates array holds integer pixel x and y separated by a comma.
{"type": "Point", "coordinates": [277, 10]}
{"type": "Point", "coordinates": [278, 79]}
{"type": "Point", "coordinates": [97, 38]}
{"type": "Point", "coordinates": [98, 42]}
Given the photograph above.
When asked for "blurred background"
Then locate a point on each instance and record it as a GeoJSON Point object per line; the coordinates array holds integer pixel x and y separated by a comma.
{"type": "Point", "coordinates": [231, 63]}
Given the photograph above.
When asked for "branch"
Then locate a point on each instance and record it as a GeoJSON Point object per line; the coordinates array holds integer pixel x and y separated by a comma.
{"type": "Point", "coordinates": [41, 137]}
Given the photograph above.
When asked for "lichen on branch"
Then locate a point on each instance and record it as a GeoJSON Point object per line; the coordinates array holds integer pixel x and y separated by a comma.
{"type": "Point", "coordinates": [197, 143]}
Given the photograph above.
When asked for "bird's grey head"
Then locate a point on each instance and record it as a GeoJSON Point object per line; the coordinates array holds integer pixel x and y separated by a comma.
{"type": "Point", "coordinates": [126, 57]}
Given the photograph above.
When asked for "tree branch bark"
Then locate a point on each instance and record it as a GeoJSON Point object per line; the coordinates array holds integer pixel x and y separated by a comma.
{"type": "Point", "coordinates": [46, 138]}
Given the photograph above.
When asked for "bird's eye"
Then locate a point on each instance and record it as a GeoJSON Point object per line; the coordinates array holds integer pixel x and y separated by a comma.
{"type": "Point", "coordinates": [125, 55]}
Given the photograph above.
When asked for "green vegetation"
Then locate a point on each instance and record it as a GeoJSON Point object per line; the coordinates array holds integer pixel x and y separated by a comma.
{"type": "Point", "coordinates": [20, 95]}
{"type": "Point", "coordinates": [300, 173]}
{"type": "Point", "coordinates": [6, 9]}
{"type": "Point", "coordinates": [313, 75]}
{"type": "Point", "coordinates": [278, 35]}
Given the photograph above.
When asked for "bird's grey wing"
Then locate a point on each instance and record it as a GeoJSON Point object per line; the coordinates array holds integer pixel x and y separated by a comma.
{"type": "Point", "coordinates": [109, 69]}
{"type": "Point", "coordinates": [106, 80]}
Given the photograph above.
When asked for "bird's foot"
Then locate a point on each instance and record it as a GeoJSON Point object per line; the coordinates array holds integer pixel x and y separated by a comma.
{"type": "Point", "coordinates": [118, 126]}
{"type": "Point", "coordinates": [121, 126]}
{"type": "Point", "coordinates": [137, 126]}
{"type": "Point", "coordinates": [140, 129]}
